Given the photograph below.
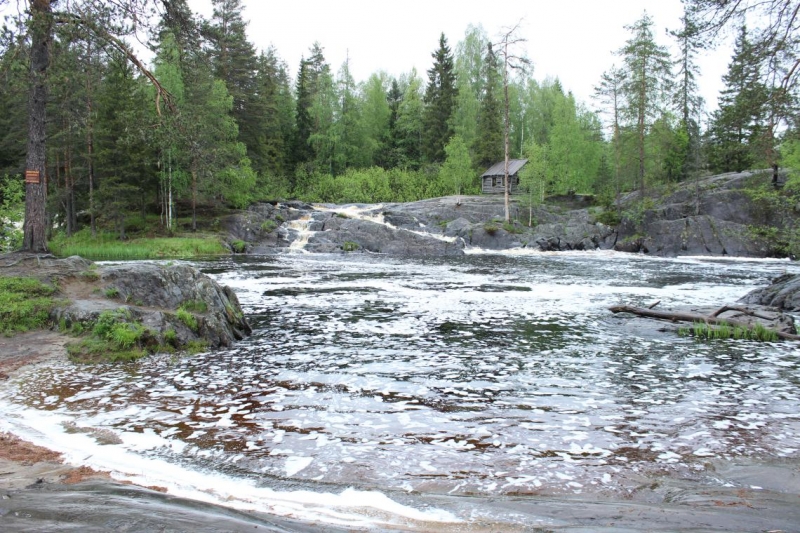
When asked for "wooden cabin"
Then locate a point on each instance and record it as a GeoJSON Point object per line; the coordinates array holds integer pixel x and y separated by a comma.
{"type": "Point", "coordinates": [492, 181]}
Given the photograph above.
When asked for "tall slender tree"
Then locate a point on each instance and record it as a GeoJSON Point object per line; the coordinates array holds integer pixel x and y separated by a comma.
{"type": "Point", "coordinates": [440, 101]}
{"type": "Point", "coordinates": [647, 84]}
{"type": "Point", "coordinates": [235, 63]}
{"type": "Point", "coordinates": [488, 146]}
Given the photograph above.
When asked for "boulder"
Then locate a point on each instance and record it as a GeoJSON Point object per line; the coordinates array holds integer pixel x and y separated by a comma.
{"type": "Point", "coordinates": [164, 289]}
{"type": "Point", "coordinates": [783, 293]}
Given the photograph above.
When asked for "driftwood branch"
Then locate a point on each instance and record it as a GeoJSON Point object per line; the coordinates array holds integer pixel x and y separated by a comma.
{"type": "Point", "coordinates": [712, 319]}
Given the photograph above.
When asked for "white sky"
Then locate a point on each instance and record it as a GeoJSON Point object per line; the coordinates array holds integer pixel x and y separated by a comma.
{"type": "Point", "coordinates": [574, 40]}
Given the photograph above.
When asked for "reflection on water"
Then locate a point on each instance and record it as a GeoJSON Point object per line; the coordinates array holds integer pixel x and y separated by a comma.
{"type": "Point", "coordinates": [476, 375]}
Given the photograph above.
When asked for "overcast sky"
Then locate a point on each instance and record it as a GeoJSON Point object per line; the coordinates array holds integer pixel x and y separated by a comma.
{"type": "Point", "coordinates": [574, 40]}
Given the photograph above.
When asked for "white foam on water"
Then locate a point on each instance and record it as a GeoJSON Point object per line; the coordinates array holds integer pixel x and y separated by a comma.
{"type": "Point", "coordinates": [349, 508]}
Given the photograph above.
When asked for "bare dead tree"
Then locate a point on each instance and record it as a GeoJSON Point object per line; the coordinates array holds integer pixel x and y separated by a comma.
{"type": "Point", "coordinates": [509, 41]}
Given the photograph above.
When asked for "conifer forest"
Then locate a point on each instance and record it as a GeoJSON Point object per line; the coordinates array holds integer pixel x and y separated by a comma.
{"type": "Point", "coordinates": [210, 121]}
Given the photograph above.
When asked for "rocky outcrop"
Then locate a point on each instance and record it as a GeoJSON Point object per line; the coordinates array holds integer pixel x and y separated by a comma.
{"type": "Point", "coordinates": [158, 291]}
{"type": "Point", "coordinates": [716, 216]}
{"type": "Point", "coordinates": [783, 293]}
{"type": "Point", "coordinates": [176, 304]}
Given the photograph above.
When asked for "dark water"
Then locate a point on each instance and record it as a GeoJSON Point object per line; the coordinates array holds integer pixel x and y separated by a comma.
{"type": "Point", "coordinates": [486, 377]}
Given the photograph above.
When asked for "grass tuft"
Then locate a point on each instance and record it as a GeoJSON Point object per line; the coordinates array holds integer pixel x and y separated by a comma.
{"type": "Point", "coordinates": [25, 304]}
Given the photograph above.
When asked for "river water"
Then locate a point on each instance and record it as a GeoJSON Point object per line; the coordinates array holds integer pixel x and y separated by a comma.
{"type": "Point", "coordinates": [448, 393]}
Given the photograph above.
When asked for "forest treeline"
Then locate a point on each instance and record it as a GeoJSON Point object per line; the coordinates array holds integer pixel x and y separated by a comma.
{"type": "Point", "coordinates": [222, 123]}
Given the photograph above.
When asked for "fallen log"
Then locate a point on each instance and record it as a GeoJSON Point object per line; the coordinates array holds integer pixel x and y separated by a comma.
{"type": "Point", "coordinates": [712, 319]}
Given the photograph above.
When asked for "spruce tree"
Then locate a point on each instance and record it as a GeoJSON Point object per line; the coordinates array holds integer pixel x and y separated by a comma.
{"type": "Point", "coordinates": [736, 125]}
{"type": "Point", "coordinates": [235, 63]}
{"type": "Point", "coordinates": [440, 100]}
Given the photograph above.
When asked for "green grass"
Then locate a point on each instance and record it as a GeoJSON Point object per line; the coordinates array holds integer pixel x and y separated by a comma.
{"type": "Point", "coordinates": [114, 337]}
{"type": "Point", "coordinates": [702, 330]}
{"type": "Point", "coordinates": [490, 228]}
{"type": "Point", "coordinates": [195, 306]}
{"type": "Point", "coordinates": [187, 318]}
{"type": "Point", "coordinates": [107, 246]}
{"type": "Point", "coordinates": [196, 347]}
{"type": "Point", "coordinates": [238, 246]}
{"type": "Point", "coordinates": [350, 246]}
{"type": "Point", "coordinates": [25, 304]}
{"type": "Point", "coordinates": [269, 226]}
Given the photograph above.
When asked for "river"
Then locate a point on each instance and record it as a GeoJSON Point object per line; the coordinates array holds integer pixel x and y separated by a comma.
{"type": "Point", "coordinates": [486, 392]}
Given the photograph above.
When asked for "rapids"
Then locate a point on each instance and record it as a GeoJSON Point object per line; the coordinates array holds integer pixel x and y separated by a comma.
{"type": "Point", "coordinates": [381, 392]}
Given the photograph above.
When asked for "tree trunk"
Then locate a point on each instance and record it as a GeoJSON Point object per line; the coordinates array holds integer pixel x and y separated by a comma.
{"type": "Point", "coordinates": [35, 225]}
{"type": "Point", "coordinates": [713, 318]}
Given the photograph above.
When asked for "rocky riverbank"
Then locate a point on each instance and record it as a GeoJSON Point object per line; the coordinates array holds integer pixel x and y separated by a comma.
{"type": "Point", "coordinates": [724, 215]}
{"type": "Point", "coordinates": [162, 308]}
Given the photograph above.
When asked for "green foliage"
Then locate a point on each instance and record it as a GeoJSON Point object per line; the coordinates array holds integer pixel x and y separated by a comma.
{"type": "Point", "coordinates": [197, 346]}
{"type": "Point", "coordinates": [111, 292]}
{"type": "Point", "coordinates": [25, 304]}
{"type": "Point", "coordinates": [171, 337]}
{"type": "Point", "coordinates": [609, 217]}
{"type": "Point", "coordinates": [238, 246]}
{"type": "Point", "coordinates": [195, 306]}
{"type": "Point", "coordinates": [440, 100]}
{"type": "Point", "coordinates": [93, 350]}
{"type": "Point", "coordinates": [723, 331]}
{"type": "Point", "coordinates": [510, 227]}
{"type": "Point", "coordinates": [106, 246]}
{"type": "Point", "coordinates": [187, 318]}
{"type": "Point", "coordinates": [12, 209]}
{"type": "Point", "coordinates": [114, 337]}
{"type": "Point", "coordinates": [456, 172]}
{"type": "Point", "coordinates": [268, 226]}
{"type": "Point", "coordinates": [350, 246]}
{"type": "Point", "coordinates": [490, 227]}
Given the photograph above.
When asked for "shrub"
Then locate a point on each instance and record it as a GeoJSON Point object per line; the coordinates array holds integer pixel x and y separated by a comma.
{"type": "Point", "coordinates": [490, 228]}
{"type": "Point", "coordinates": [350, 246]}
{"type": "Point", "coordinates": [111, 292]}
{"type": "Point", "coordinates": [268, 226]}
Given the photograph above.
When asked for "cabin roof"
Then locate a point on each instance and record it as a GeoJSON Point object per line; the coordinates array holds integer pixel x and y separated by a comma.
{"type": "Point", "coordinates": [498, 169]}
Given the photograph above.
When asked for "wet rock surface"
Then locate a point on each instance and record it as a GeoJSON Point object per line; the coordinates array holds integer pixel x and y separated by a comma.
{"type": "Point", "coordinates": [714, 216]}
{"type": "Point", "coordinates": [783, 293]}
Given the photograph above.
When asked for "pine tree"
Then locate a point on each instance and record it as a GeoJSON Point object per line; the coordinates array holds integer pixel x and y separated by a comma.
{"type": "Point", "coordinates": [686, 100]}
{"type": "Point", "coordinates": [440, 100]}
{"type": "Point", "coordinates": [610, 95]}
{"type": "Point", "coordinates": [647, 83]}
{"type": "Point", "coordinates": [489, 142]}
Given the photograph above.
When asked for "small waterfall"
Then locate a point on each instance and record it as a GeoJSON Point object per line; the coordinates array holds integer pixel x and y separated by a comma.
{"type": "Point", "coordinates": [371, 213]}
{"type": "Point", "coordinates": [302, 227]}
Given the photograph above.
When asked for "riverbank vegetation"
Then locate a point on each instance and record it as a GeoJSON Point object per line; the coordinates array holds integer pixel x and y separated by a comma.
{"type": "Point", "coordinates": [215, 122]}
{"type": "Point", "coordinates": [25, 304]}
